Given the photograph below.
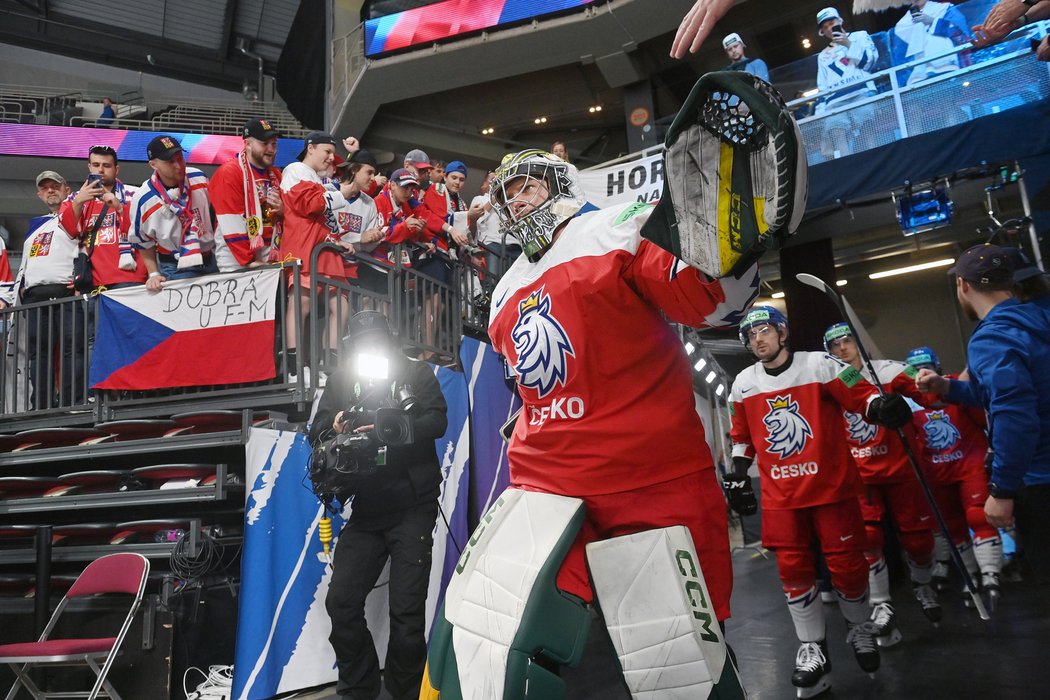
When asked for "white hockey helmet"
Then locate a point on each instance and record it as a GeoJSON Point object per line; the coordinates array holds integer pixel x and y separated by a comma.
{"type": "Point", "coordinates": [534, 227]}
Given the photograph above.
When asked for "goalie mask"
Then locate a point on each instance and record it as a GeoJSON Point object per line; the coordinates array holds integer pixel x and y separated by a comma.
{"type": "Point", "coordinates": [735, 176]}
{"type": "Point", "coordinates": [533, 193]}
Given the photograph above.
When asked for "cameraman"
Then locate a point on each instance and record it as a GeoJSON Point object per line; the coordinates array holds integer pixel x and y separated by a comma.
{"type": "Point", "coordinates": [393, 508]}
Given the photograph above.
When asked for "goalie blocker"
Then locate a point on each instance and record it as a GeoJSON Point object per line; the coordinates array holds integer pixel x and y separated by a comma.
{"type": "Point", "coordinates": [735, 176]}
{"type": "Point", "coordinates": [502, 611]}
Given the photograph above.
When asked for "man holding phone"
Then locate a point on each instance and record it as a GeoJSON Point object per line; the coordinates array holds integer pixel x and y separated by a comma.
{"type": "Point", "coordinates": [929, 29]}
{"type": "Point", "coordinates": [844, 70]}
{"type": "Point", "coordinates": [114, 262]}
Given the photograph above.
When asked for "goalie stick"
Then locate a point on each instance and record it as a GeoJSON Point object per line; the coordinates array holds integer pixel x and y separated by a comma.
{"type": "Point", "coordinates": [971, 588]}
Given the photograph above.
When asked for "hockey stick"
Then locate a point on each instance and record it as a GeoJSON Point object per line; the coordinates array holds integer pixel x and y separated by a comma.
{"type": "Point", "coordinates": [971, 588]}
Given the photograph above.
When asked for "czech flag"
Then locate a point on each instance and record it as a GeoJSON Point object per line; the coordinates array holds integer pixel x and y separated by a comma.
{"type": "Point", "coordinates": [216, 329]}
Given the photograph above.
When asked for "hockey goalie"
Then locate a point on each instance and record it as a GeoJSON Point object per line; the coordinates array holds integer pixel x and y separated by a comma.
{"type": "Point", "coordinates": [614, 502]}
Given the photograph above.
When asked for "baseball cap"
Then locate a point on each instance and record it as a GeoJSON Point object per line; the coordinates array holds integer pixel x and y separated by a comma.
{"type": "Point", "coordinates": [50, 175]}
{"type": "Point", "coordinates": [826, 14]}
{"type": "Point", "coordinates": [163, 148]}
{"type": "Point", "coordinates": [362, 156]}
{"type": "Point", "coordinates": [456, 166]}
{"type": "Point", "coordinates": [313, 138]}
{"type": "Point", "coordinates": [1023, 267]}
{"type": "Point", "coordinates": [403, 177]}
{"type": "Point", "coordinates": [418, 158]}
{"type": "Point", "coordinates": [260, 129]}
{"type": "Point", "coordinates": [984, 263]}
{"type": "Point", "coordinates": [731, 39]}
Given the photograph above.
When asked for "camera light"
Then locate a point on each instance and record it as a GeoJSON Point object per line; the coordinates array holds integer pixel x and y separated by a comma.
{"type": "Point", "coordinates": [710, 377]}
{"type": "Point", "coordinates": [370, 366]}
{"type": "Point", "coordinates": [700, 364]}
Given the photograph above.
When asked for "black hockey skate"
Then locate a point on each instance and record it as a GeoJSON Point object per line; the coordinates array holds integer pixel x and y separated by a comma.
{"type": "Point", "coordinates": [990, 585]}
{"type": "Point", "coordinates": [884, 625]}
{"type": "Point", "coordinates": [861, 639]}
{"type": "Point", "coordinates": [940, 576]}
{"type": "Point", "coordinates": [927, 597]}
{"type": "Point", "coordinates": [812, 674]}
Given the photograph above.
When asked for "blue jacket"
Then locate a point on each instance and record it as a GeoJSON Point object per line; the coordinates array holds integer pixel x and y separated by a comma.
{"type": "Point", "coordinates": [1009, 362]}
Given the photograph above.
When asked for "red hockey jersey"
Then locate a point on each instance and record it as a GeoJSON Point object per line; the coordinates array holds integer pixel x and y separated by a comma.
{"type": "Point", "coordinates": [233, 237]}
{"type": "Point", "coordinates": [605, 381]}
{"type": "Point", "coordinates": [111, 237]}
{"type": "Point", "coordinates": [952, 443]}
{"type": "Point", "coordinates": [790, 423]}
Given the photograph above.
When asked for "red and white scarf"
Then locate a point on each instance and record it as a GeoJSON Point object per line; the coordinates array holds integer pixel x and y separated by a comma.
{"type": "Point", "coordinates": [189, 245]}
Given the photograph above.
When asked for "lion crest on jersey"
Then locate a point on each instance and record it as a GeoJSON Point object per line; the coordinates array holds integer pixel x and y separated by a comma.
{"type": "Point", "coordinates": [860, 431]}
{"type": "Point", "coordinates": [788, 431]}
{"type": "Point", "coordinates": [940, 433]}
{"type": "Point", "coordinates": [541, 344]}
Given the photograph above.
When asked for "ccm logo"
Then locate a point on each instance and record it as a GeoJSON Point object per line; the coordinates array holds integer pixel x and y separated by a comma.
{"type": "Point", "coordinates": [694, 591]}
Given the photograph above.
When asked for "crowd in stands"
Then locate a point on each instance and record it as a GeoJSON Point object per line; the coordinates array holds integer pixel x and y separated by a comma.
{"type": "Point", "coordinates": [178, 224]}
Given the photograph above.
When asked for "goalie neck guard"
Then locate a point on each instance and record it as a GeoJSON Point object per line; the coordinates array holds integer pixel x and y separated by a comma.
{"type": "Point", "coordinates": [526, 215]}
{"type": "Point", "coordinates": [735, 175]}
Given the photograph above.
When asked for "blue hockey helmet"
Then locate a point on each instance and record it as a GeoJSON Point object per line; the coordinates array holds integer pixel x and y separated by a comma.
{"type": "Point", "coordinates": [760, 316]}
{"type": "Point", "coordinates": [924, 357]}
{"type": "Point", "coordinates": [834, 332]}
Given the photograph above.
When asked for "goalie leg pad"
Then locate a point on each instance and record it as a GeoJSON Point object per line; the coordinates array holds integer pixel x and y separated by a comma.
{"type": "Point", "coordinates": [502, 608]}
{"type": "Point", "coordinates": [660, 618]}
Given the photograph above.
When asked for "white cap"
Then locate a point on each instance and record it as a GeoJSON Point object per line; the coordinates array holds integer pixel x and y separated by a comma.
{"type": "Point", "coordinates": [731, 39]}
{"type": "Point", "coordinates": [826, 14]}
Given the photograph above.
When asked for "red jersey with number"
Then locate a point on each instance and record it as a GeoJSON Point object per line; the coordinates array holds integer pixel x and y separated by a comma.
{"type": "Point", "coordinates": [605, 381]}
{"type": "Point", "coordinates": [790, 424]}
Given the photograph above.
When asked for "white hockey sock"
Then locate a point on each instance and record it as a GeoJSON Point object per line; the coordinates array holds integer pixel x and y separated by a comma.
{"type": "Point", "coordinates": [921, 575]}
{"type": "Point", "coordinates": [855, 610]}
{"type": "Point", "coordinates": [879, 581]}
{"type": "Point", "coordinates": [941, 551]}
{"type": "Point", "coordinates": [808, 615]}
{"type": "Point", "coordinates": [969, 560]}
{"type": "Point", "coordinates": [988, 552]}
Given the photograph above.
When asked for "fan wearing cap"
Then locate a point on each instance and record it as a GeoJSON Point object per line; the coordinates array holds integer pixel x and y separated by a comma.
{"type": "Point", "coordinates": [246, 194]}
{"type": "Point", "coordinates": [402, 217]}
{"type": "Point", "coordinates": [735, 47]}
{"type": "Point", "coordinates": [171, 218]}
{"type": "Point", "coordinates": [114, 263]}
{"type": "Point", "coordinates": [1007, 358]}
{"type": "Point", "coordinates": [418, 162]}
{"type": "Point", "coordinates": [929, 30]}
{"type": "Point", "coordinates": [844, 70]}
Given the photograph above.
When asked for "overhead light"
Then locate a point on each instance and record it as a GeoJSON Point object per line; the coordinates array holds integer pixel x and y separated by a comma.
{"type": "Point", "coordinates": [806, 43]}
{"type": "Point", "coordinates": [689, 347]}
{"type": "Point", "coordinates": [539, 120]}
{"type": "Point", "coordinates": [811, 92]}
{"type": "Point", "coordinates": [911, 268]}
{"type": "Point", "coordinates": [777, 295]}
{"type": "Point", "coordinates": [594, 108]}
{"type": "Point", "coordinates": [700, 364]}
{"type": "Point", "coordinates": [488, 130]}
{"type": "Point", "coordinates": [710, 377]}
{"type": "Point", "coordinates": [841, 283]}
{"type": "Point", "coordinates": [720, 390]}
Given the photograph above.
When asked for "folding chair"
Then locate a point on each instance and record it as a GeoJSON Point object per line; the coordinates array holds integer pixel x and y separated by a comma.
{"type": "Point", "coordinates": [114, 573]}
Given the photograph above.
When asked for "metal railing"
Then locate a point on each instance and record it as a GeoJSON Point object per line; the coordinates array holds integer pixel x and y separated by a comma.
{"type": "Point", "coordinates": [890, 109]}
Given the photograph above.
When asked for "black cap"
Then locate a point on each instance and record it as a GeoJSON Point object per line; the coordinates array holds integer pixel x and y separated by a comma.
{"type": "Point", "coordinates": [368, 327]}
{"type": "Point", "coordinates": [260, 129]}
{"type": "Point", "coordinates": [315, 137]}
{"type": "Point", "coordinates": [163, 147]}
{"type": "Point", "coordinates": [985, 263]}
{"type": "Point", "coordinates": [362, 156]}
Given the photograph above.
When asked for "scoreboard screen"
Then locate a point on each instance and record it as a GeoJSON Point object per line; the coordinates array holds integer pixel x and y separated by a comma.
{"type": "Point", "coordinates": [453, 18]}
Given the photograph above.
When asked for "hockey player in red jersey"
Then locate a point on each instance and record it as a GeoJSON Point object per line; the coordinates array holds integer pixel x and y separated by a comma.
{"type": "Point", "coordinates": [786, 415]}
{"type": "Point", "coordinates": [953, 447]}
{"type": "Point", "coordinates": [890, 488]}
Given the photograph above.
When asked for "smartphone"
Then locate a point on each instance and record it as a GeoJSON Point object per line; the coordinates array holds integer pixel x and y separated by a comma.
{"type": "Point", "coordinates": [915, 11]}
{"type": "Point", "coordinates": [93, 178]}
{"type": "Point", "coordinates": [836, 30]}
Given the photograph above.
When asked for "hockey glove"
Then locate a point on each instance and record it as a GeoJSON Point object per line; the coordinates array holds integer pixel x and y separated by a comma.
{"type": "Point", "coordinates": [890, 410]}
{"type": "Point", "coordinates": [737, 485]}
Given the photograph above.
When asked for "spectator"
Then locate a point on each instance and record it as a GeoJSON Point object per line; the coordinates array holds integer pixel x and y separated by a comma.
{"type": "Point", "coordinates": [843, 69]}
{"type": "Point", "coordinates": [402, 219]}
{"type": "Point", "coordinates": [419, 162]}
{"type": "Point", "coordinates": [735, 47]}
{"type": "Point", "coordinates": [246, 195]}
{"type": "Point", "coordinates": [443, 205]}
{"type": "Point", "coordinates": [928, 29]}
{"type": "Point", "coordinates": [437, 172]}
{"type": "Point", "coordinates": [108, 114]}
{"type": "Point", "coordinates": [1007, 16]}
{"type": "Point", "coordinates": [1007, 357]}
{"type": "Point", "coordinates": [114, 263]}
{"type": "Point", "coordinates": [559, 149]}
{"type": "Point", "coordinates": [485, 226]}
{"type": "Point", "coordinates": [52, 331]}
{"type": "Point", "coordinates": [309, 220]}
{"type": "Point", "coordinates": [171, 221]}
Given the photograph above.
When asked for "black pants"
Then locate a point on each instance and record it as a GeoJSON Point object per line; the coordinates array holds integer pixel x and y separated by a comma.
{"type": "Point", "coordinates": [359, 559]}
{"type": "Point", "coordinates": [56, 340]}
{"type": "Point", "coordinates": [1032, 512]}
